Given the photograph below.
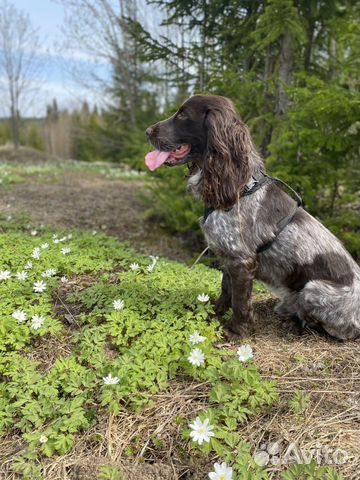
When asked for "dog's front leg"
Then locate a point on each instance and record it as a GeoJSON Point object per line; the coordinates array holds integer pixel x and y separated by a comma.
{"type": "Point", "coordinates": [223, 304]}
{"type": "Point", "coordinates": [242, 276]}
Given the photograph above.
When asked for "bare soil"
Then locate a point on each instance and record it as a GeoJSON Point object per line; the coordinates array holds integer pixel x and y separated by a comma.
{"type": "Point", "coordinates": [89, 201]}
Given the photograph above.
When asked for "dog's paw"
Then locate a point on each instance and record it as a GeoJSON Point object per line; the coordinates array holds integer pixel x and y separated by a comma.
{"type": "Point", "coordinates": [283, 310]}
{"type": "Point", "coordinates": [294, 325]}
{"type": "Point", "coordinates": [238, 330]}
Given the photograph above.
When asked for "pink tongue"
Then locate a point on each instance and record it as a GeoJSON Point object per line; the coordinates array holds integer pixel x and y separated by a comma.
{"type": "Point", "coordinates": [155, 159]}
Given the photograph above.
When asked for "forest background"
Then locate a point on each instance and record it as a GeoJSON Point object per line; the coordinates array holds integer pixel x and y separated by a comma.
{"type": "Point", "coordinates": [290, 66]}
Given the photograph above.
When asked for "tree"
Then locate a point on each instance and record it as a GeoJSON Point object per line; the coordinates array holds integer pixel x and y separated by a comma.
{"type": "Point", "coordinates": [19, 65]}
{"type": "Point", "coordinates": [292, 67]}
{"type": "Point", "coordinates": [131, 89]}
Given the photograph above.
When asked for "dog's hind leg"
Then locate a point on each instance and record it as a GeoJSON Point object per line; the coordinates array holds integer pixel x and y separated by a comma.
{"type": "Point", "coordinates": [287, 307]}
{"type": "Point", "coordinates": [334, 308]}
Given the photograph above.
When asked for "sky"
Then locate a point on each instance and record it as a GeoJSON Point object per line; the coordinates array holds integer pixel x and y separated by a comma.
{"type": "Point", "coordinates": [58, 82]}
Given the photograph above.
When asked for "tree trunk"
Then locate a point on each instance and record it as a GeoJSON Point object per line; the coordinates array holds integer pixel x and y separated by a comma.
{"type": "Point", "coordinates": [333, 197]}
{"type": "Point", "coordinates": [268, 100]}
{"type": "Point", "coordinates": [14, 114]}
{"type": "Point", "coordinates": [202, 80]}
{"type": "Point", "coordinates": [248, 61]}
{"type": "Point", "coordinates": [308, 48]}
{"type": "Point", "coordinates": [285, 72]}
{"type": "Point", "coordinates": [333, 56]}
{"type": "Point", "coordinates": [127, 60]}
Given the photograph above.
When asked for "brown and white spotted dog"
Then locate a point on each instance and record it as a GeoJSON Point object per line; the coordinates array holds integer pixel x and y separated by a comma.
{"type": "Point", "coordinates": [316, 279]}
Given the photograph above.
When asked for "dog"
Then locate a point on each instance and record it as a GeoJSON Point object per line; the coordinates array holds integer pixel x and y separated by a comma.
{"type": "Point", "coordinates": [255, 228]}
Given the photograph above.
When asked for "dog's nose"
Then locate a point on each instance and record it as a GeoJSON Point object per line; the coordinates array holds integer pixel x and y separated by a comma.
{"type": "Point", "coordinates": [149, 131]}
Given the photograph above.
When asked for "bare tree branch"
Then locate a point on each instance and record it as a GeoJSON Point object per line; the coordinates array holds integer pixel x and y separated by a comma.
{"type": "Point", "coordinates": [19, 62]}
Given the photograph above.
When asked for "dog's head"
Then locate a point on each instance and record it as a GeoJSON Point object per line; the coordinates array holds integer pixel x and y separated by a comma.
{"type": "Point", "coordinates": [207, 131]}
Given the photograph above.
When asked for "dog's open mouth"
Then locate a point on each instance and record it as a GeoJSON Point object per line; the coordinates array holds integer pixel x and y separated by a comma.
{"type": "Point", "coordinates": [157, 158]}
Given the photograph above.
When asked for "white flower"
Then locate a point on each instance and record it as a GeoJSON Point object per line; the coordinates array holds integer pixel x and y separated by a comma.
{"type": "Point", "coordinates": [201, 431]}
{"type": "Point", "coordinates": [5, 275]}
{"type": "Point", "coordinates": [203, 298]}
{"type": "Point", "coordinates": [36, 253]}
{"type": "Point", "coordinates": [245, 352]}
{"type": "Point", "coordinates": [65, 250]}
{"type": "Point", "coordinates": [19, 315]}
{"type": "Point", "coordinates": [94, 232]}
{"type": "Point", "coordinates": [221, 472]}
{"type": "Point", "coordinates": [28, 265]}
{"type": "Point", "coordinates": [196, 357]}
{"type": "Point", "coordinates": [196, 338]}
{"type": "Point", "coordinates": [56, 240]}
{"type": "Point", "coordinates": [64, 279]}
{"type": "Point", "coordinates": [154, 260]}
{"type": "Point", "coordinates": [8, 218]}
{"type": "Point", "coordinates": [39, 286]}
{"type": "Point", "coordinates": [134, 266]}
{"type": "Point", "coordinates": [43, 439]}
{"type": "Point", "coordinates": [62, 239]}
{"type": "Point", "coordinates": [37, 321]}
{"type": "Point", "coordinates": [21, 275]}
{"type": "Point", "coordinates": [33, 233]}
{"type": "Point", "coordinates": [69, 237]}
{"type": "Point", "coordinates": [55, 235]}
{"type": "Point", "coordinates": [44, 246]}
{"type": "Point", "coordinates": [118, 304]}
{"type": "Point", "coordinates": [49, 273]}
{"type": "Point", "coordinates": [110, 380]}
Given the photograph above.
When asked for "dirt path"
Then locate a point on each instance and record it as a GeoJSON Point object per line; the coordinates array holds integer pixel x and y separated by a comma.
{"type": "Point", "coordinates": [91, 202]}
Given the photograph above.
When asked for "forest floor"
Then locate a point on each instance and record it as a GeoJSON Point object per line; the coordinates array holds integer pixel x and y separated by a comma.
{"type": "Point", "coordinates": [318, 377]}
{"type": "Point", "coordinates": [85, 197]}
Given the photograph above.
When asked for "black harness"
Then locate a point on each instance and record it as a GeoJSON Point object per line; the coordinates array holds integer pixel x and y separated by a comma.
{"type": "Point", "coordinates": [250, 188]}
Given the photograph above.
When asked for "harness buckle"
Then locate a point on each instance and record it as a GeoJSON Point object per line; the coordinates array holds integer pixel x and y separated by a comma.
{"type": "Point", "coordinates": [251, 184]}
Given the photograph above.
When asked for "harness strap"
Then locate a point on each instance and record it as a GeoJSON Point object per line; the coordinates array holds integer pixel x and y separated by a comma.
{"type": "Point", "coordinates": [284, 222]}
{"type": "Point", "coordinates": [281, 182]}
{"type": "Point", "coordinates": [254, 185]}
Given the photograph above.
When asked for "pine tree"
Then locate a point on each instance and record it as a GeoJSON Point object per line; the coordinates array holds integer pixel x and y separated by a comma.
{"type": "Point", "coordinates": [292, 69]}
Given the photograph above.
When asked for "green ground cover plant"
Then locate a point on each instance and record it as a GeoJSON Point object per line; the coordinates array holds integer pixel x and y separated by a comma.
{"type": "Point", "coordinates": [19, 173]}
{"type": "Point", "coordinates": [140, 323]}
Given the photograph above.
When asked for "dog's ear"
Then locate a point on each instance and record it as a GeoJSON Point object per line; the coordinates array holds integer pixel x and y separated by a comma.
{"type": "Point", "coordinates": [226, 160]}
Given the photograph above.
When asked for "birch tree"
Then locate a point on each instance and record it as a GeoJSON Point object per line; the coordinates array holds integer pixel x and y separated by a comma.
{"type": "Point", "coordinates": [19, 65]}
{"type": "Point", "coordinates": [100, 30]}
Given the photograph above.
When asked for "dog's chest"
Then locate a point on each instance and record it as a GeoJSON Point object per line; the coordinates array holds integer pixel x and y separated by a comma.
{"type": "Point", "coordinates": [222, 233]}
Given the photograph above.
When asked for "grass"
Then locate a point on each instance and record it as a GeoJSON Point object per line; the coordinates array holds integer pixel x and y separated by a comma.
{"type": "Point", "coordinates": [13, 173]}
{"type": "Point", "coordinates": [59, 419]}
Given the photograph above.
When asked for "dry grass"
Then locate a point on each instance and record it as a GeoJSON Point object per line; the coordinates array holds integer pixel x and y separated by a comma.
{"type": "Point", "coordinates": [129, 439]}
{"type": "Point", "coordinates": [325, 369]}
{"type": "Point", "coordinates": [148, 445]}
{"type": "Point", "coordinates": [24, 155]}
